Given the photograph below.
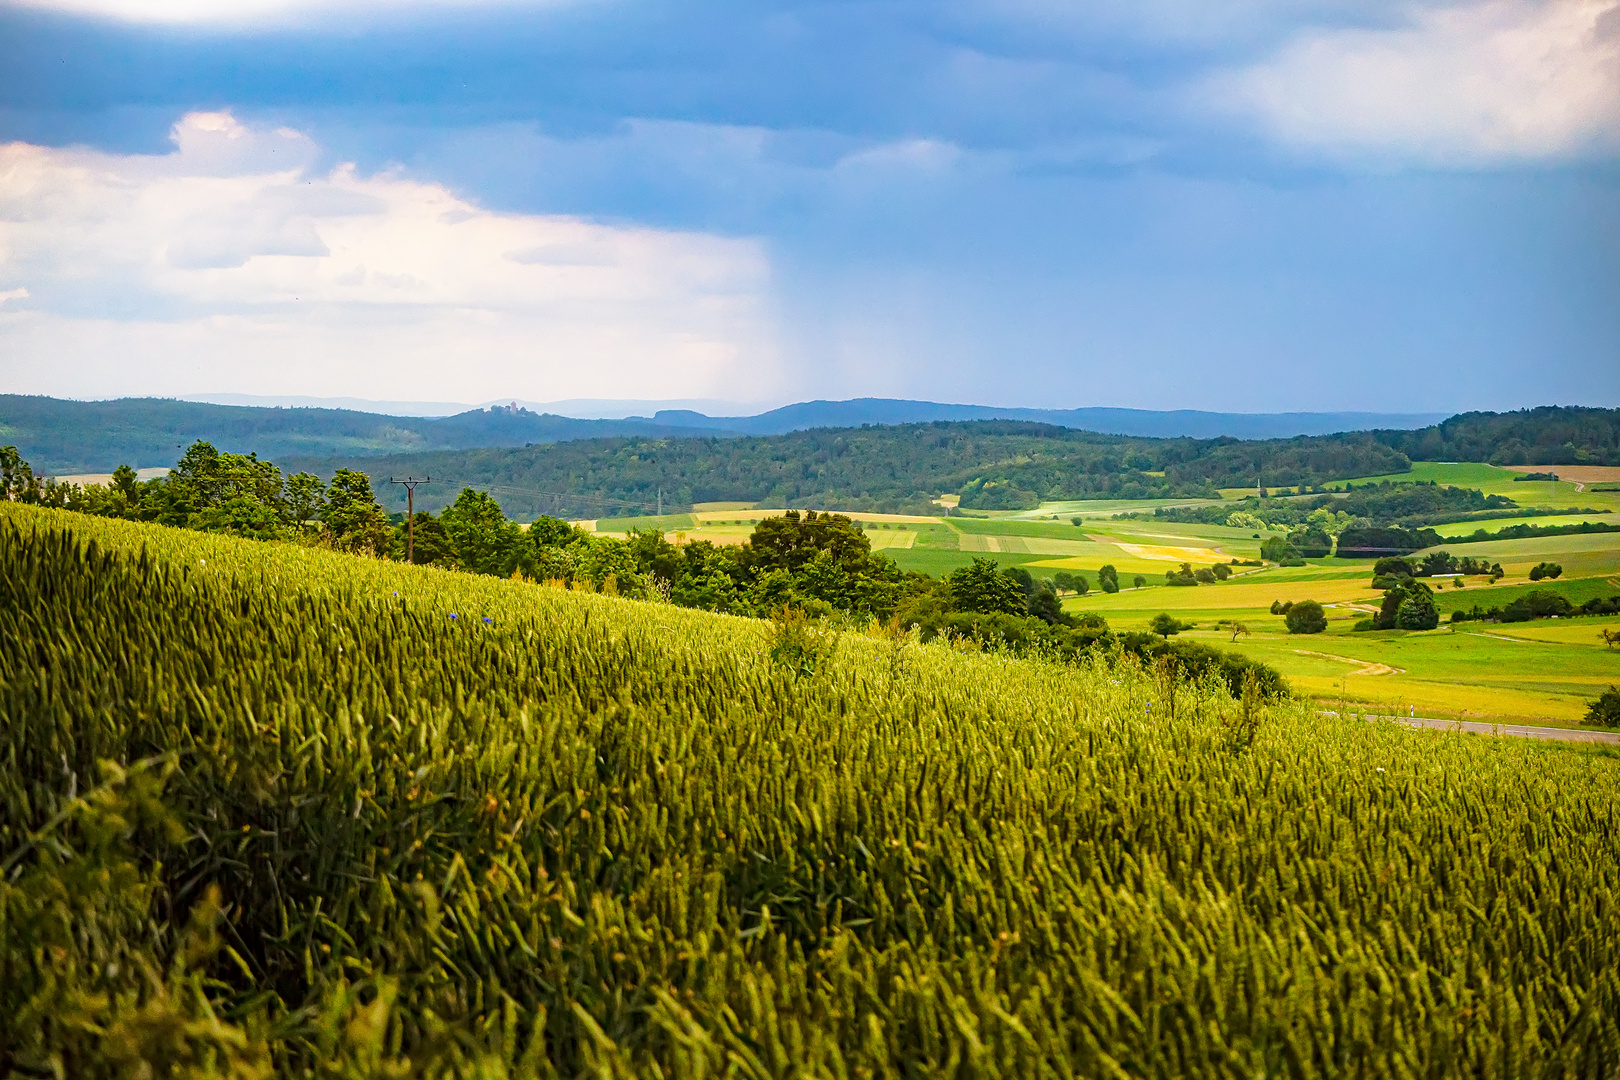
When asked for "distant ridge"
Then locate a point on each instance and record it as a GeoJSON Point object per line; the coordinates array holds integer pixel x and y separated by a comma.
{"type": "Point", "coordinates": [1142, 423]}
{"type": "Point", "coordinates": [64, 437]}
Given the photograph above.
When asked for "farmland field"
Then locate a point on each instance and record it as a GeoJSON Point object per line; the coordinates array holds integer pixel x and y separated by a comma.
{"type": "Point", "coordinates": [1480, 677]}
{"type": "Point", "coordinates": [272, 810]}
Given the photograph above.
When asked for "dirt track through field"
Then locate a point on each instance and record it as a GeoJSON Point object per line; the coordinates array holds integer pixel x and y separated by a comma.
{"type": "Point", "coordinates": [1366, 667]}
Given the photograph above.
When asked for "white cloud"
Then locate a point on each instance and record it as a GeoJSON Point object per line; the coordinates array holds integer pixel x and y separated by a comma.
{"type": "Point", "coordinates": [1469, 83]}
{"type": "Point", "coordinates": [232, 264]}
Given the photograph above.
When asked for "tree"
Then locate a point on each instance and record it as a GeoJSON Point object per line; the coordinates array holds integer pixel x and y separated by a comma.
{"type": "Point", "coordinates": [17, 482]}
{"type": "Point", "coordinates": [1418, 611]}
{"type": "Point", "coordinates": [1043, 603]}
{"type": "Point", "coordinates": [1238, 630]}
{"type": "Point", "coordinates": [790, 541]}
{"type": "Point", "coordinates": [1437, 562]}
{"type": "Point", "coordinates": [1306, 617]}
{"type": "Point", "coordinates": [1277, 549]}
{"type": "Point", "coordinates": [1392, 566]}
{"type": "Point", "coordinates": [431, 545]}
{"type": "Point", "coordinates": [306, 497]}
{"type": "Point", "coordinates": [1221, 571]}
{"type": "Point", "coordinates": [1108, 578]}
{"type": "Point", "coordinates": [1545, 570]}
{"type": "Point", "coordinates": [1205, 575]}
{"type": "Point", "coordinates": [485, 542]}
{"type": "Point", "coordinates": [1165, 624]}
{"type": "Point", "coordinates": [1141, 582]}
{"type": "Point", "coordinates": [1184, 576]}
{"type": "Point", "coordinates": [352, 515]}
{"type": "Point", "coordinates": [1605, 711]}
{"type": "Point", "coordinates": [982, 587]}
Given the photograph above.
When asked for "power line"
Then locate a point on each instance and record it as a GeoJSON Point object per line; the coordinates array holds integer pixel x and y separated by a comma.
{"type": "Point", "coordinates": [542, 493]}
{"type": "Point", "coordinates": [410, 483]}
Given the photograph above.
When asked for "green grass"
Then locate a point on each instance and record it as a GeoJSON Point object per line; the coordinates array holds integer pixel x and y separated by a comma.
{"type": "Point", "coordinates": [596, 837]}
{"type": "Point", "coordinates": [1575, 590]}
{"type": "Point", "coordinates": [669, 523]}
{"type": "Point", "coordinates": [1494, 480]}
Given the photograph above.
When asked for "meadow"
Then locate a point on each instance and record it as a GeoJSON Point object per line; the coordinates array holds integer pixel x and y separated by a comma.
{"type": "Point", "coordinates": [272, 810]}
{"type": "Point", "coordinates": [1482, 671]}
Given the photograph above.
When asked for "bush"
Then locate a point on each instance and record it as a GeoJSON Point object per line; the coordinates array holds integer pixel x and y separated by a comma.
{"type": "Point", "coordinates": [1363, 625]}
{"type": "Point", "coordinates": [1184, 576]}
{"type": "Point", "coordinates": [1605, 711]}
{"type": "Point", "coordinates": [1418, 612]}
{"type": "Point", "coordinates": [1306, 617]}
{"type": "Point", "coordinates": [1545, 570]}
{"type": "Point", "coordinates": [1277, 549]}
{"type": "Point", "coordinates": [1205, 575]}
{"type": "Point", "coordinates": [1165, 624]}
{"type": "Point", "coordinates": [1221, 571]}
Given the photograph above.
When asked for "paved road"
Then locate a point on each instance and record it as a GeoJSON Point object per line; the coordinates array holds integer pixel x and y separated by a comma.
{"type": "Point", "coordinates": [1523, 731]}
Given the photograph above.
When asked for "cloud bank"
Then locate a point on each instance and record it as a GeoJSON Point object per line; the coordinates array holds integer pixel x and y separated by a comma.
{"type": "Point", "coordinates": [233, 262]}
{"type": "Point", "coordinates": [1466, 84]}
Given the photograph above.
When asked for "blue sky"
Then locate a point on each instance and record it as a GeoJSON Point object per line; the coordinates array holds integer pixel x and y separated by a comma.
{"type": "Point", "coordinates": [1388, 204]}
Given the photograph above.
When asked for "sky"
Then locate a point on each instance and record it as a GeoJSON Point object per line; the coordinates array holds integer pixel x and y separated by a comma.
{"type": "Point", "coordinates": [1262, 205]}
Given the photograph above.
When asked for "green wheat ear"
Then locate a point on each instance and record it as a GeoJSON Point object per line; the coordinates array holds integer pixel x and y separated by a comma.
{"type": "Point", "coordinates": [339, 834]}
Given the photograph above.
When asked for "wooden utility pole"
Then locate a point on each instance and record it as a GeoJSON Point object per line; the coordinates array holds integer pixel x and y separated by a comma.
{"type": "Point", "coordinates": [410, 483]}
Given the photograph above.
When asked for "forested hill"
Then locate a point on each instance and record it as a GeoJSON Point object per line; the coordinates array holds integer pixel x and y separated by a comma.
{"type": "Point", "coordinates": [1549, 435]}
{"type": "Point", "coordinates": [994, 465]}
{"type": "Point", "coordinates": [64, 437]}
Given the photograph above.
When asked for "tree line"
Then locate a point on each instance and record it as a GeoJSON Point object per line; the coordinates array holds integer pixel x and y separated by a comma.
{"type": "Point", "coordinates": [991, 464]}
{"type": "Point", "coordinates": [820, 565]}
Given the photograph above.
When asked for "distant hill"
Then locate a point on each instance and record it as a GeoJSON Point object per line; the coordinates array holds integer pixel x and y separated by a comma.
{"type": "Point", "coordinates": [1548, 435]}
{"type": "Point", "coordinates": [64, 437]}
{"type": "Point", "coordinates": [1144, 423]}
{"type": "Point", "coordinates": [992, 464]}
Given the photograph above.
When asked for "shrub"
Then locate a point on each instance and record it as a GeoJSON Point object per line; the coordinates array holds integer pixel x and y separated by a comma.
{"type": "Point", "coordinates": [1545, 570]}
{"type": "Point", "coordinates": [1418, 612]}
{"type": "Point", "coordinates": [1165, 624]}
{"type": "Point", "coordinates": [1205, 575]}
{"type": "Point", "coordinates": [1221, 571]}
{"type": "Point", "coordinates": [1306, 617]}
{"type": "Point", "coordinates": [1183, 576]}
{"type": "Point", "coordinates": [1605, 711]}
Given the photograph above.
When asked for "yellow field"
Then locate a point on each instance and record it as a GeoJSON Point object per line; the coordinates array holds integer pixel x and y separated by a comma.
{"type": "Point", "coordinates": [1231, 595]}
{"type": "Point", "coordinates": [759, 514]}
{"type": "Point", "coordinates": [1165, 553]}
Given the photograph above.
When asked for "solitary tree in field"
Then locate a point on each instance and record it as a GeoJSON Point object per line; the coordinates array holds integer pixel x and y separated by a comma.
{"type": "Point", "coordinates": [1141, 582]}
{"type": "Point", "coordinates": [1306, 617]}
{"type": "Point", "coordinates": [1165, 624]}
{"type": "Point", "coordinates": [1238, 630]}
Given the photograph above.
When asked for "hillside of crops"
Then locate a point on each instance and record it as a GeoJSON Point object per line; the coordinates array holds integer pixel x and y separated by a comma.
{"type": "Point", "coordinates": [271, 810]}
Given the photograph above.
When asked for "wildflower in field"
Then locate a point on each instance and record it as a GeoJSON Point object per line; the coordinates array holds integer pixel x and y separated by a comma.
{"type": "Point", "coordinates": [489, 620]}
{"type": "Point", "coordinates": [452, 614]}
